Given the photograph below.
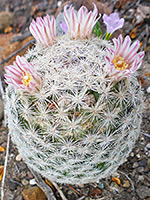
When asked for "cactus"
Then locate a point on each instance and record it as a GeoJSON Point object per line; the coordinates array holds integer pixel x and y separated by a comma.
{"type": "Point", "coordinates": [74, 104]}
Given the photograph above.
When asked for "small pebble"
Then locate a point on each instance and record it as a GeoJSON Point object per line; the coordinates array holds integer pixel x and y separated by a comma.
{"type": "Point", "coordinates": [18, 157]}
{"type": "Point", "coordinates": [32, 182]}
{"type": "Point", "coordinates": [30, 176]}
{"type": "Point", "coordinates": [116, 174]}
{"type": "Point", "coordinates": [11, 155]}
{"type": "Point", "coordinates": [135, 165]}
{"type": "Point", "coordinates": [132, 154]}
{"type": "Point", "coordinates": [148, 162]}
{"type": "Point", "coordinates": [143, 191]}
{"type": "Point", "coordinates": [143, 163]}
{"type": "Point", "coordinates": [12, 185]}
{"type": "Point", "coordinates": [23, 174]}
{"type": "Point", "coordinates": [70, 192]}
{"type": "Point", "coordinates": [140, 169]}
{"type": "Point", "coordinates": [147, 149]}
{"type": "Point", "coordinates": [59, 3]}
{"type": "Point", "coordinates": [24, 182]}
{"type": "Point", "coordinates": [142, 139]}
{"type": "Point", "coordinates": [101, 185]}
{"type": "Point", "coordinates": [23, 166]}
{"type": "Point", "coordinates": [114, 186]}
{"type": "Point", "coordinates": [141, 178]}
{"type": "Point", "coordinates": [126, 183]}
{"type": "Point", "coordinates": [148, 90]}
{"type": "Point", "coordinates": [138, 155]}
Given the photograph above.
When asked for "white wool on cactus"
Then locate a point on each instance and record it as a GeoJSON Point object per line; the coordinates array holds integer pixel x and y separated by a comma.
{"type": "Point", "coordinates": [81, 123]}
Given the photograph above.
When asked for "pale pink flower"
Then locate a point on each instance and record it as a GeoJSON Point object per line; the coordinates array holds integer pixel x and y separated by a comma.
{"type": "Point", "coordinates": [44, 30]}
{"type": "Point", "coordinates": [123, 60]}
{"type": "Point", "coordinates": [80, 24]}
{"type": "Point", "coordinates": [113, 22]}
{"type": "Point", "coordinates": [22, 75]}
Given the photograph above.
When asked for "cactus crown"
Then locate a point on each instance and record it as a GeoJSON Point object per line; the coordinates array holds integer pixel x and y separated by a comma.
{"type": "Point", "coordinates": [73, 102]}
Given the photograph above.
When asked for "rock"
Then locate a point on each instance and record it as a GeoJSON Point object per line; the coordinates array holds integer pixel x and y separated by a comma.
{"type": "Point", "coordinates": [59, 3]}
{"type": "Point", "coordinates": [148, 90]}
{"type": "Point", "coordinates": [140, 169]}
{"type": "Point", "coordinates": [140, 178]}
{"type": "Point", "coordinates": [1, 109]}
{"type": "Point", "coordinates": [18, 157]}
{"type": "Point", "coordinates": [6, 20]}
{"type": "Point", "coordinates": [147, 149]}
{"type": "Point", "coordinates": [19, 197]}
{"type": "Point", "coordinates": [30, 175]}
{"type": "Point", "coordinates": [115, 174]}
{"type": "Point", "coordinates": [126, 183]}
{"type": "Point", "coordinates": [143, 191]}
{"type": "Point", "coordinates": [23, 166]}
{"type": "Point", "coordinates": [24, 182]}
{"type": "Point", "coordinates": [101, 185]}
{"type": "Point", "coordinates": [33, 193]}
{"type": "Point", "coordinates": [132, 154]}
{"type": "Point", "coordinates": [134, 198]}
{"type": "Point", "coordinates": [70, 192]}
{"type": "Point", "coordinates": [32, 182]}
{"type": "Point", "coordinates": [23, 174]}
{"type": "Point", "coordinates": [138, 155]}
{"type": "Point", "coordinates": [12, 185]}
{"type": "Point", "coordinates": [96, 191]}
{"type": "Point", "coordinates": [115, 187]}
{"type": "Point", "coordinates": [148, 162]}
{"type": "Point", "coordinates": [135, 165]}
{"type": "Point", "coordinates": [143, 163]}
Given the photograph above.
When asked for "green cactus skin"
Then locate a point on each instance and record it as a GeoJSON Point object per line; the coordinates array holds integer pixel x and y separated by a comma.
{"type": "Point", "coordinates": [80, 126]}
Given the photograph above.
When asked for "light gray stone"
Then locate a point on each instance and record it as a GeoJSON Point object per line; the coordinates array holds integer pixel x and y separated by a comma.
{"type": "Point", "coordinates": [143, 191]}
{"type": "Point", "coordinates": [6, 20]}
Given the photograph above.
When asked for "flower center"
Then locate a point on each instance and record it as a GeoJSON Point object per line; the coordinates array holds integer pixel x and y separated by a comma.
{"type": "Point", "coordinates": [120, 63]}
{"type": "Point", "coordinates": [26, 78]}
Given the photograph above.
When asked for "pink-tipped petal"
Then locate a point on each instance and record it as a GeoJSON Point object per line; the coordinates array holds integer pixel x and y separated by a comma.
{"type": "Point", "coordinates": [22, 75]}
{"type": "Point", "coordinates": [80, 25]}
{"type": "Point", "coordinates": [44, 30]}
{"type": "Point", "coordinates": [123, 57]}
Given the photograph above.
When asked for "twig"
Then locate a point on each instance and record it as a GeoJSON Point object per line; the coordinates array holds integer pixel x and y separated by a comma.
{"type": "Point", "coordinates": [5, 167]}
{"type": "Point", "coordinates": [59, 190]}
{"type": "Point", "coordinates": [132, 184]}
{"type": "Point", "coordinates": [81, 198]}
{"type": "Point", "coordinates": [147, 135]}
{"type": "Point", "coordinates": [20, 37]}
{"type": "Point", "coordinates": [41, 183]}
{"type": "Point", "coordinates": [18, 51]}
{"type": "Point", "coordinates": [75, 190]}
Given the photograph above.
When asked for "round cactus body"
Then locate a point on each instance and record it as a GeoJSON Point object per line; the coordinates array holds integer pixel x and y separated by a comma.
{"type": "Point", "coordinates": [80, 124]}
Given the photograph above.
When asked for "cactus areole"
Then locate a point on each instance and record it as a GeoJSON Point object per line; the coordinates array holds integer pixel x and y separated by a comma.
{"type": "Point", "coordinates": [74, 102]}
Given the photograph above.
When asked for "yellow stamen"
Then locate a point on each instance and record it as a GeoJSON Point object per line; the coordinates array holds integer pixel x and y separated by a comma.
{"type": "Point", "coordinates": [26, 78]}
{"type": "Point", "coordinates": [120, 63]}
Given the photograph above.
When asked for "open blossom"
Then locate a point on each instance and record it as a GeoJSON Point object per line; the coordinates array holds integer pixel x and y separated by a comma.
{"type": "Point", "coordinates": [113, 22]}
{"type": "Point", "coordinates": [122, 60]}
{"type": "Point", "coordinates": [80, 25]}
{"type": "Point", "coordinates": [22, 75]}
{"type": "Point", "coordinates": [44, 30]}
